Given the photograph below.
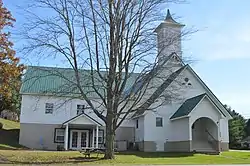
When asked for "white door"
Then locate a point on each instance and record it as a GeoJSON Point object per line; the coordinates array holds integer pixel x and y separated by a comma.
{"type": "Point", "coordinates": [79, 139]}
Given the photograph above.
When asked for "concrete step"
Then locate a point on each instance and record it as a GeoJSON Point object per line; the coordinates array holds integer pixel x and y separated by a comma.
{"type": "Point", "coordinates": [202, 147]}
{"type": "Point", "coordinates": [208, 152]}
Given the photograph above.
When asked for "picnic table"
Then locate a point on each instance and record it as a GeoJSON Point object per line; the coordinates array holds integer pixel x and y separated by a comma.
{"type": "Point", "coordinates": [87, 151]}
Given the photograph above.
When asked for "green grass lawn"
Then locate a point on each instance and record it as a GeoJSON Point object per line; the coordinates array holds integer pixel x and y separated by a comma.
{"type": "Point", "coordinates": [9, 125]}
{"type": "Point", "coordinates": [12, 152]}
{"type": "Point", "coordinates": [42, 157]}
{"type": "Point", "coordinates": [9, 135]}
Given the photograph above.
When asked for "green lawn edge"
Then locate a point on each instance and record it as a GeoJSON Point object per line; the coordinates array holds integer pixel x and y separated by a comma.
{"type": "Point", "coordinates": [126, 158]}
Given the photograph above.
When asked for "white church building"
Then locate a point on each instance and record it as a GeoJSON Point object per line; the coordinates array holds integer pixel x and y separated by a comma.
{"type": "Point", "coordinates": [197, 121]}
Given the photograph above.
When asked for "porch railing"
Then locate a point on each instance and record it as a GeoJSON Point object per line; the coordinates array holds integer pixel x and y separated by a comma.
{"type": "Point", "coordinates": [212, 141]}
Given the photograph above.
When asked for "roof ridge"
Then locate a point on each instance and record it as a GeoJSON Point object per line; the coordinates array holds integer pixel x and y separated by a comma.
{"type": "Point", "coordinates": [67, 68]}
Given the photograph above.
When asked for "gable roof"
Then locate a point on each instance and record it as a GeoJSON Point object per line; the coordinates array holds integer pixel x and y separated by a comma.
{"type": "Point", "coordinates": [62, 81]}
{"type": "Point", "coordinates": [166, 83]}
{"type": "Point", "coordinates": [210, 94]}
{"type": "Point", "coordinates": [80, 115]}
{"type": "Point", "coordinates": [144, 79]}
{"type": "Point", "coordinates": [188, 106]}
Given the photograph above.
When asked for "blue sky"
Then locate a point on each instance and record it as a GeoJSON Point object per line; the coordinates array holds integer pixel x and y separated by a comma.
{"type": "Point", "coordinates": [221, 46]}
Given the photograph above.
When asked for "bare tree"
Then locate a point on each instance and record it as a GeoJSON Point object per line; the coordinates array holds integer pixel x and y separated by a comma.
{"type": "Point", "coordinates": [113, 39]}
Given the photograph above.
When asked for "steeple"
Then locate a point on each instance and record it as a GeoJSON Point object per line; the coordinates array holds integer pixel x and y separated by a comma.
{"type": "Point", "coordinates": [169, 19]}
{"type": "Point", "coordinates": [169, 34]}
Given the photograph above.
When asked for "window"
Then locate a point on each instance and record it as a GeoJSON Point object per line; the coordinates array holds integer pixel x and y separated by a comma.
{"type": "Point", "coordinates": [59, 135]}
{"type": "Point", "coordinates": [100, 136]}
{"type": "Point", "coordinates": [137, 123]}
{"type": "Point", "coordinates": [80, 109]}
{"type": "Point", "coordinates": [159, 122]}
{"type": "Point", "coordinates": [49, 108]}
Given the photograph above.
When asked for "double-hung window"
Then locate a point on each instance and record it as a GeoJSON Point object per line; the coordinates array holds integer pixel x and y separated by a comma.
{"type": "Point", "coordinates": [80, 109]}
{"type": "Point", "coordinates": [100, 136]}
{"type": "Point", "coordinates": [59, 135]}
{"type": "Point", "coordinates": [159, 122]}
{"type": "Point", "coordinates": [49, 108]}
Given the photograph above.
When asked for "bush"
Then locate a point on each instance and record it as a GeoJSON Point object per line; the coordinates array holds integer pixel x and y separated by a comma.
{"type": "Point", "coordinates": [1, 125]}
{"type": "Point", "coordinates": [60, 148]}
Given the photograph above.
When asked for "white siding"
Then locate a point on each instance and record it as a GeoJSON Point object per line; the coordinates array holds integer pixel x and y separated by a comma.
{"type": "Point", "coordinates": [224, 130]}
{"type": "Point", "coordinates": [180, 130]}
{"type": "Point", "coordinates": [171, 131]}
{"type": "Point", "coordinates": [205, 109]}
{"type": "Point", "coordinates": [83, 120]}
{"type": "Point", "coordinates": [33, 110]}
{"type": "Point", "coordinates": [165, 34]}
{"type": "Point", "coordinates": [139, 132]}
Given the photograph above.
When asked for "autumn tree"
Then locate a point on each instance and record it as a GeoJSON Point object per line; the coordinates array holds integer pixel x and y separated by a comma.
{"type": "Point", "coordinates": [10, 69]}
{"type": "Point", "coordinates": [112, 39]}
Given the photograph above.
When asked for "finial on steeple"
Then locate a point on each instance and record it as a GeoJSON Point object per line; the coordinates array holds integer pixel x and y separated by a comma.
{"type": "Point", "coordinates": [169, 19]}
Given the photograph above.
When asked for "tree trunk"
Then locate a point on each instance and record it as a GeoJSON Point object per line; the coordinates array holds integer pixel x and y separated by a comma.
{"type": "Point", "coordinates": [110, 136]}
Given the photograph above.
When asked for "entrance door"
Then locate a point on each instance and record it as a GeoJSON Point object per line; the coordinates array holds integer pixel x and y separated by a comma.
{"type": "Point", "coordinates": [79, 139]}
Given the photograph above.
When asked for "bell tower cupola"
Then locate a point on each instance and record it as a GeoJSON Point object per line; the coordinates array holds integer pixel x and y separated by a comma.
{"type": "Point", "coordinates": [169, 34]}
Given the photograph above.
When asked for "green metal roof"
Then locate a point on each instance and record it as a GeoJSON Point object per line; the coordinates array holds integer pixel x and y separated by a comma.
{"type": "Point", "coordinates": [187, 106]}
{"type": "Point", "coordinates": [62, 81]}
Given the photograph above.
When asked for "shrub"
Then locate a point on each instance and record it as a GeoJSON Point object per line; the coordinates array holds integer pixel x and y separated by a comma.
{"type": "Point", "coordinates": [1, 125]}
{"type": "Point", "coordinates": [60, 148]}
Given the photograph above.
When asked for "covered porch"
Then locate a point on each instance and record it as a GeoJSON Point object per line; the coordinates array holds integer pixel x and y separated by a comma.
{"type": "Point", "coordinates": [205, 136]}
{"type": "Point", "coordinates": [83, 132]}
{"type": "Point", "coordinates": [199, 121]}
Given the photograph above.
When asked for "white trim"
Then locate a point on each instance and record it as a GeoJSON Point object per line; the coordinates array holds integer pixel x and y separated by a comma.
{"type": "Point", "coordinates": [66, 134]}
{"type": "Point", "coordinates": [97, 136]}
{"type": "Point", "coordinates": [197, 104]}
{"type": "Point", "coordinates": [78, 116]}
{"type": "Point", "coordinates": [211, 95]}
{"type": "Point", "coordinates": [138, 116]}
{"type": "Point", "coordinates": [53, 95]}
{"type": "Point", "coordinates": [79, 132]}
{"type": "Point", "coordinates": [190, 111]}
{"type": "Point", "coordinates": [181, 117]}
{"type": "Point", "coordinates": [93, 138]}
{"type": "Point", "coordinates": [185, 66]}
{"type": "Point", "coordinates": [216, 107]}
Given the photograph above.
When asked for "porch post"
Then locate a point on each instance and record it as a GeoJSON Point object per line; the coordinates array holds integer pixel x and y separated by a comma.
{"type": "Point", "coordinates": [219, 136]}
{"type": "Point", "coordinates": [66, 133]}
{"type": "Point", "coordinates": [97, 131]}
{"type": "Point", "coordinates": [93, 138]}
